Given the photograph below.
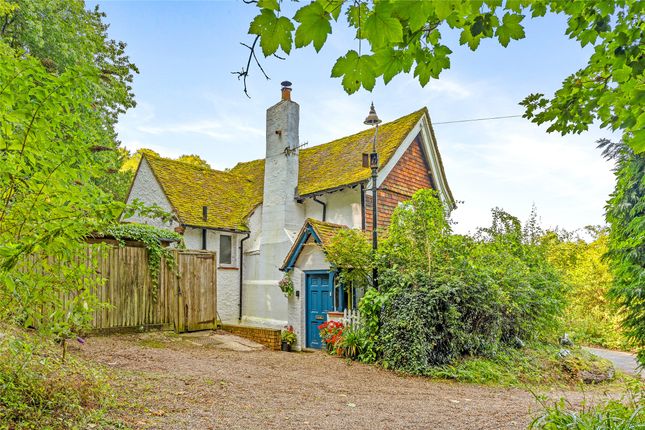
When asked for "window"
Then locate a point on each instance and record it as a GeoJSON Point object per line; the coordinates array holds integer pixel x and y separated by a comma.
{"type": "Point", "coordinates": [225, 253]}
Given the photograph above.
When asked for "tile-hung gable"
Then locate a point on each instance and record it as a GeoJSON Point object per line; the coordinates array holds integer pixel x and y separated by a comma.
{"type": "Point", "coordinates": [232, 196]}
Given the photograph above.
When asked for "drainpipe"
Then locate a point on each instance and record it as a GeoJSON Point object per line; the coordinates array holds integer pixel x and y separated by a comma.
{"type": "Point", "coordinates": [205, 218]}
{"type": "Point", "coordinates": [363, 207]}
{"type": "Point", "coordinates": [242, 272]}
{"type": "Point", "coordinates": [324, 205]}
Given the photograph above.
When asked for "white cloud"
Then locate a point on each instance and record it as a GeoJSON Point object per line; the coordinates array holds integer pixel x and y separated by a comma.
{"type": "Point", "coordinates": [215, 129]}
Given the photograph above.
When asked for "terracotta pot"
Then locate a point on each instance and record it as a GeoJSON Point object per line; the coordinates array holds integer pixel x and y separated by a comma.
{"type": "Point", "coordinates": [334, 316]}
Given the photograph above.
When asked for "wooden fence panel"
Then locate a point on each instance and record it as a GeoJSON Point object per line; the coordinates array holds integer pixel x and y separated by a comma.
{"type": "Point", "coordinates": [133, 302]}
{"type": "Point", "coordinates": [184, 300]}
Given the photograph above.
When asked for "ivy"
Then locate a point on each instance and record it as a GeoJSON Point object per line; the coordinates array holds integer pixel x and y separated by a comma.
{"type": "Point", "coordinates": [152, 237]}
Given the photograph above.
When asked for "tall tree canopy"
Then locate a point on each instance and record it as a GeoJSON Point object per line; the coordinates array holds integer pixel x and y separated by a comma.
{"type": "Point", "coordinates": [406, 36]}
{"type": "Point", "coordinates": [62, 86]}
{"type": "Point", "coordinates": [195, 160]}
{"type": "Point", "coordinates": [71, 37]}
{"type": "Point", "coordinates": [626, 214]}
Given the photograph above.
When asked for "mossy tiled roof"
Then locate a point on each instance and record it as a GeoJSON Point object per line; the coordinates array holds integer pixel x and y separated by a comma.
{"type": "Point", "coordinates": [229, 197]}
{"type": "Point", "coordinates": [339, 163]}
{"type": "Point", "coordinates": [325, 230]}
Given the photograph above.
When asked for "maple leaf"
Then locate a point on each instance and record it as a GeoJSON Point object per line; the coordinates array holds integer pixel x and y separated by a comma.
{"type": "Point", "coordinates": [274, 32]}
{"type": "Point", "coordinates": [381, 28]}
{"type": "Point", "coordinates": [356, 71]}
{"type": "Point", "coordinates": [510, 29]}
{"type": "Point", "coordinates": [314, 26]}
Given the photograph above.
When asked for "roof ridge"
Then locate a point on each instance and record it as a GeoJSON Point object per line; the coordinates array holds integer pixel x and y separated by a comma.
{"type": "Point", "coordinates": [368, 129]}
{"type": "Point", "coordinates": [424, 109]}
{"type": "Point", "coordinates": [194, 166]}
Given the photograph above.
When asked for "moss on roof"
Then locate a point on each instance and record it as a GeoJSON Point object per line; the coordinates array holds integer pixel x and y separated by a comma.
{"type": "Point", "coordinates": [325, 230]}
{"type": "Point", "coordinates": [232, 196]}
{"type": "Point", "coordinates": [339, 163]}
{"type": "Point", "coordinates": [229, 197]}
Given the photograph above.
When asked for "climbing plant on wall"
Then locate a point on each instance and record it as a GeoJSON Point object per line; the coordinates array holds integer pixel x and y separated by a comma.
{"type": "Point", "coordinates": [153, 239]}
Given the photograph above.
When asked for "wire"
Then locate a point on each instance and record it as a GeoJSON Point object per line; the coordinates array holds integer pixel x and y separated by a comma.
{"type": "Point", "coordinates": [477, 119]}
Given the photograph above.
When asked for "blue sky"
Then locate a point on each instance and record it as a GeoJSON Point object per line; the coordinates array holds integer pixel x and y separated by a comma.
{"type": "Point", "coordinates": [190, 103]}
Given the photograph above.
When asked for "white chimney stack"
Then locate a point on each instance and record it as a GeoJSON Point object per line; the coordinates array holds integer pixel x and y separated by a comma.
{"type": "Point", "coordinates": [282, 216]}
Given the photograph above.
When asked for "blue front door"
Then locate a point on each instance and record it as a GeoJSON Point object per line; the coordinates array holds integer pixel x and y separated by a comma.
{"type": "Point", "coordinates": [319, 302]}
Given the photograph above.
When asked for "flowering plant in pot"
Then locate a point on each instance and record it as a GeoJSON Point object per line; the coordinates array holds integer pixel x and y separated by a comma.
{"type": "Point", "coordinates": [331, 333]}
{"type": "Point", "coordinates": [289, 338]}
{"type": "Point", "coordinates": [286, 284]}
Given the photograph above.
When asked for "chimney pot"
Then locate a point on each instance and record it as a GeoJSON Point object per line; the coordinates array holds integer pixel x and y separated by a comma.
{"type": "Point", "coordinates": [286, 90]}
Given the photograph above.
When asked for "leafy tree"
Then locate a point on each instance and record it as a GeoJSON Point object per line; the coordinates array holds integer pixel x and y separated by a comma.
{"type": "Point", "coordinates": [49, 197]}
{"type": "Point", "coordinates": [625, 212]}
{"type": "Point", "coordinates": [72, 37]}
{"type": "Point", "coordinates": [406, 36]}
{"type": "Point", "coordinates": [131, 162]}
{"type": "Point", "coordinates": [195, 160]}
{"type": "Point", "coordinates": [446, 295]}
{"type": "Point", "coordinates": [589, 315]}
{"type": "Point", "coordinates": [62, 86]}
{"type": "Point", "coordinates": [350, 254]}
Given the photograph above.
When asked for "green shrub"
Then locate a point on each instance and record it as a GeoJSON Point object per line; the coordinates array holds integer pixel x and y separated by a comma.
{"type": "Point", "coordinates": [370, 307]}
{"type": "Point", "coordinates": [449, 295]}
{"type": "Point", "coordinates": [39, 391]}
{"type": "Point", "coordinates": [429, 324]}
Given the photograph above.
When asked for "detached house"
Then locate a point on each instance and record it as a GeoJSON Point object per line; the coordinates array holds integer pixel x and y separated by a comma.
{"type": "Point", "coordinates": [267, 216]}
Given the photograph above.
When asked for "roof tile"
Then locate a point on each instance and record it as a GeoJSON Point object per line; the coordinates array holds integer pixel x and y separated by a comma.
{"type": "Point", "coordinates": [231, 196]}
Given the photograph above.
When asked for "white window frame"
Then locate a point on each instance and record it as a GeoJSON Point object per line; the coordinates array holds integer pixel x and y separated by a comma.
{"type": "Point", "coordinates": [233, 253]}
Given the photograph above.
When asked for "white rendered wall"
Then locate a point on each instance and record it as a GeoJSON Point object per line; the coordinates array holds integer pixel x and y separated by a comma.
{"type": "Point", "coordinates": [297, 308]}
{"type": "Point", "coordinates": [263, 304]}
{"type": "Point", "coordinates": [147, 189]}
{"type": "Point", "coordinates": [343, 207]}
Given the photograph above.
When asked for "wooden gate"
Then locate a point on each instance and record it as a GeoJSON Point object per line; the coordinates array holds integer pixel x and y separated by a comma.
{"type": "Point", "coordinates": [196, 291]}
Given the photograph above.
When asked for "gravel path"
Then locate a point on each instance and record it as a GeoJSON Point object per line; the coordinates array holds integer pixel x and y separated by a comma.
{"type": "Point", "coordinates": [623, 361]}
{"type": "Point", "coordinates": [168, 383]}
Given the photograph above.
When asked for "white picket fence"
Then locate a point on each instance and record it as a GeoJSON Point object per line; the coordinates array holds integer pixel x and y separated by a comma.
{"type": "Point", "coordinates": [351, 318]}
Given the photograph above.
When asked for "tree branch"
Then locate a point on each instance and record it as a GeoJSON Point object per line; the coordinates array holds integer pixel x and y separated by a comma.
{"type": "Point", "coordinates": [244, 73]}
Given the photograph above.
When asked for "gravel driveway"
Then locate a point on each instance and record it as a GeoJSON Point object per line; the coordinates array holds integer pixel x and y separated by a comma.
{"type": "Point", "coordinates": [164, 382]}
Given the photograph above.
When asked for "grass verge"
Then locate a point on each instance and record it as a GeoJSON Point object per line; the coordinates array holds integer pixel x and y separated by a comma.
{"type": "Point", "coordinates": [535, 365]}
